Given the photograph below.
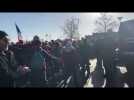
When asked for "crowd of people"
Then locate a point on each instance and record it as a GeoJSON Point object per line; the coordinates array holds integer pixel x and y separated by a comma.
{"type": "Point", "coordinates": [39, 63]}
{"type": "Point", "coordinates": [43, 64]}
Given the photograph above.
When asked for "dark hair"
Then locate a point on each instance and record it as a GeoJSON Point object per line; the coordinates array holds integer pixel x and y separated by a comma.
{"type": "Point", "coordinates": [3, 34]}
{"type": "Point", "coordinates": [36, 40]}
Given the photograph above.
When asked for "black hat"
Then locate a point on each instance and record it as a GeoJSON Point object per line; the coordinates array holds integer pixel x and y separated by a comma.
{"type": "Point", "coordinates": [3, 34]}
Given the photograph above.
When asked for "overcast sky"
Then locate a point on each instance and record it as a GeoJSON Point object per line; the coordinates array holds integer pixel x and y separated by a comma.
{"type": "Point", "coordinates": [31, 24]}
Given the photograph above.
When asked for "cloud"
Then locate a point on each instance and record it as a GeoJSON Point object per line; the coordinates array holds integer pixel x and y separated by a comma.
{"type": "Point", "coordinates": [87, 23]}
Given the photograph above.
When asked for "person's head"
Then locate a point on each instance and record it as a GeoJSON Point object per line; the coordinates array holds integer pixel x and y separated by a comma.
{"type": "Point", "coordinates": [20, 43]}
{"type": "Point", "coordinates": [68, 42]}
{"type": "Point", "coordinates": [4, 41]}
{"type": "Point", "coordinates": [36, 41]}
{"type": "Point", "coordinates": [52, 41]}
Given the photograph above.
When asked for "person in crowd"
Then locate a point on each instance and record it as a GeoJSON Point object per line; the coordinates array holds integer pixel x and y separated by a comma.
{"type": "Point", "coordinates": [71, 61]}
{"type": "Point", "coordinates": [9, 70]}
{"type": "Point", "coordinates": [38, 64]}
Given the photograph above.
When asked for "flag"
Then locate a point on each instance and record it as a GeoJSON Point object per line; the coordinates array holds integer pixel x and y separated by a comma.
{"type": "Point", "coordinates": [18, 32]}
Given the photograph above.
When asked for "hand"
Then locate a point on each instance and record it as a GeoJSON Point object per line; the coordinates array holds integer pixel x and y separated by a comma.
{"type": "Point", "coordinates": [23, 69]}
{"type": "Point", "coordinates": [26, 69]}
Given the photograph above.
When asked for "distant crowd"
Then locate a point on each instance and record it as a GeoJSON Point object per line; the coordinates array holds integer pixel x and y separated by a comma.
{"type": "Point", "coordinates": [53, 63]}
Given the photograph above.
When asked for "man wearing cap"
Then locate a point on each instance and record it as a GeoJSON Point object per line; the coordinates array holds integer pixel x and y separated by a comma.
{"type": "Point", "coordinates": [8, 65]}
{"type": "Point", "coordinates": [38, 75]}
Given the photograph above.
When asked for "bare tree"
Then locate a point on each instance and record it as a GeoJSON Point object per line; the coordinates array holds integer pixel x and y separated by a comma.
{"type": "Point", "coordinates": [71, 27]}
{"type": "Point", "coordinates": [106, 23]}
